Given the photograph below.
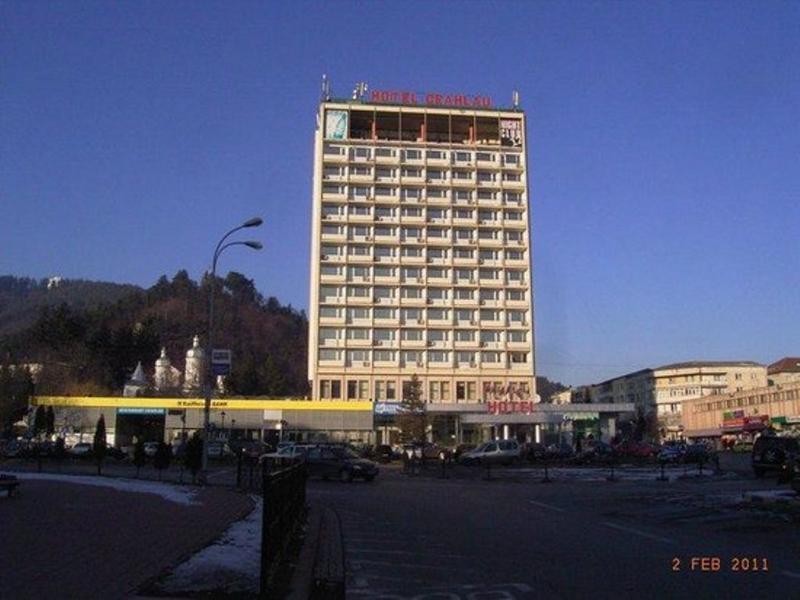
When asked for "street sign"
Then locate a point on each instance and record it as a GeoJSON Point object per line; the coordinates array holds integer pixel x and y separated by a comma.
{"type": "Point", "coordinates": [220, 361]}
{"type": "Point", "coordinates": [387, 408]}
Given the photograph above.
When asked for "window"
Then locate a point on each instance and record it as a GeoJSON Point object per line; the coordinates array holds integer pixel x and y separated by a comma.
{"type": "Point", "coordinates": [490, 357]}
{"type": "Point", "coordinates": [330, 388]}
{"type": "Point", "coordinates": [411, 193]}
{"type": "Point", "coordinates": [357, 357]}
{"type": "Point", "coordinates": [384, 152]}
{"type": "Point", "coordinates": [464, 253]}
{"type": "Point", "coordinates": [384, 271]}
{"type": "Point", "coordinates": [411, 357]}
{"type": "Point", "coordinates": [411, 335]}
{"type": "Point", "coordinates": [357, 314]}
{"type": "Point", "coordinates": [462, 213]}
{"type": "Point", "coordinates": [360, 171]}
{"type": "Point", "coordinates": [384, 212]}
{"type": "Point", "coordinates": [437, 213]}
{"type": "Point", "coordinates": [329, 312]}
{"type": "Point", "coordinates": [412, 314]}
{"type": "Point", "coordinates": [358, 192]}
{"type": "Point", "coordinates": [464, 293]}
{"type": "Point", "coordinates": [332, 210]}
{"type": "Point", "coordinates": [357, 333]}
{"type": "Point", "coordinates": [331, 270]}
{"type": "Point", "coordinates": [487, 195]}
{"type": "Point", "coordinates": [435, 193]}
{"type": "Point", "coordinates": [489, 336]}
{"type": "Point", "coordinates": [384, 313]}
{"type": "Point", "coordinates": [463, 195]}
{"type": "Point", "coordinates": [361, 152]}
{"type": "Point", "coordinates": [465, 335]}
{"type": "Point", "coordinates": [514, 255]}
{"type": "Point", "coordinates": [384, 335]}
{"type": "Point", "coordinates": [464, 316]}
{"type": "Point", "coordinates": [328, 293]}
{"type": "Point", "coordinates": [411, 251]}
{"type": "Point", "coordinates": [384, 356]}
{"type": "Point", "coordinates": [412, 154]}
{"type": "Point", "coordinates": [438, 356]}
{"type": "Point", "coordinates": [465, 358]}
{"type": "Point", "coordinates": [355, 250]}
{"type": "Point", "coordinates": [437, 314]}
{"type": "Point", "coordinates": [330, 188]}
{"type": "Point", "coordinates": [437, 273]}
{"type": "Point", "coordinates": [411, 292]}
{"type": "Point", "coordinates": [411, 211]}
{"type": "Point", "coordinates": [329, 333]}
{"type": "Point", "coordinates": [515, 295]}
{"type": "Point", "coordinates": [385, 192]}
{"type": "Point", "coordinates": [328, 354]}
{"type": "Point", "coordinates": [518, 357]}
{"type": "Point", "coordinates": [517, 336]}
{"type": "Point", "coordinates": [438, 293]}
{"type": "Point", "coordinates": [436, 175]}
{"type": "Point", "coordinates": [463, 234]}
{"type": "Point", "coordinates": [437, 253]}
{"type": "Point", "coordinates": [357, 291]}
{"type": "Point", "coordinates": [438, 335]}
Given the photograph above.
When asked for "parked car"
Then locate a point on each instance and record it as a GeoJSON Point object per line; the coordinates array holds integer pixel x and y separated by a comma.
{"type": "Point", "coordinates": [697, 453]}
{"type": "Point", "coordinates": [81, 450]}
{"type": "Point", "coordinates": [292, 451]}
{"type": "Point", "coordinates": [742, 446]}
{"type": "Point", "coordinates": [461, 449]}
{"type": "Point", "coordinates": [249, 448]}
{"type": "Point", "coordinates": [498, 451]}
{"type": "Point", "coordinates": [535, 452]}
{"type": "Point", "coordinates": [771, 453]}
{"type": "Point", "coordinates": [13, 449]}
{"type": "Point", "coordinates": [634, 449]}
{"type": "Point", "coordinates": [150, 449]}
{"type": "Point", "coordinates": [671, 453]}
{"type": "Point", "coordinates": [340, 462]}
{"type": "Point", "coordinates": [219, 450]}
{"type": "Point", "coordinates": [558, 452]}
{"type": "Point", "coordinates": [384, 453]}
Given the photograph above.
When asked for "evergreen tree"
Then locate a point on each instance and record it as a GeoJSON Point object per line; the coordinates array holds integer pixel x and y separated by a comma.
{"type": "Point", "coordinates": [16, 389]}
{"type": "Point", "coordinates": [39, 421]}
{"type": "Point", "coordinates": [50, 421]}
{"type": "Point", "coordinates": [139, 457]}
{"type": "Point", "coordinates": [193, 459]}
{"type": "Point", "coordinates": [412, 419]}
{"type": "Point", "coordinates": [99, 443]}
{"type": "Point", "coordinates": [162, 458]}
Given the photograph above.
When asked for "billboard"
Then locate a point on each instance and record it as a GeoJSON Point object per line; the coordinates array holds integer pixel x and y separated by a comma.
{"type": "Point", "coordinates": [336, 125]}
{"type": "Point", "coordinates": [511, 132]}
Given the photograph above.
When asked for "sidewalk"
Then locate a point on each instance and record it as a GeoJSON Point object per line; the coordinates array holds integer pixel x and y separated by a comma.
{"type": "Point", "coordinates": [67, 540]}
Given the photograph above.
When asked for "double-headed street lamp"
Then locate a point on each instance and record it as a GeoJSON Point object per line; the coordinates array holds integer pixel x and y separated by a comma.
{"type": "Point", "coordinates": [209, 376]}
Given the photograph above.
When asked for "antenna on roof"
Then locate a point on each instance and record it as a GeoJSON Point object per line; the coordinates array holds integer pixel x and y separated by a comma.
{"type": "Point", "coordinates": [359, 91]}
{"type": "Point", "coordinates": [326, 88]}
{"type": "Point", "coordinates": [515, 98]}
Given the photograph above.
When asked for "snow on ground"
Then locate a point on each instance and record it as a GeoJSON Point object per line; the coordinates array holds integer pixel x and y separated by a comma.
{"type": "Point", "coordinates": [601, 474]}
{"type": "Point", "coordinates": [178, 494]}
{"type": "Point", "coordinates": [232, 563]}
{"type": "Point", "coordinates": [773, 495]}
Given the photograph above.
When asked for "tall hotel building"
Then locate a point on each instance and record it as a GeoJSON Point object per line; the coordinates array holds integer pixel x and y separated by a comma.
{"type": "Point", "coordinates": [421, 251]}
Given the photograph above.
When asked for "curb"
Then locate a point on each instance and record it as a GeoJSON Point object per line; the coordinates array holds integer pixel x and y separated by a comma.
{"type": "Point", "coordinates": [320, 571]}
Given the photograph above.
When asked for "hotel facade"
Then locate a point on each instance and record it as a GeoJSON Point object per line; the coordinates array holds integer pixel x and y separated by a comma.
{"type": "Point", "coordinates": [421, 253]}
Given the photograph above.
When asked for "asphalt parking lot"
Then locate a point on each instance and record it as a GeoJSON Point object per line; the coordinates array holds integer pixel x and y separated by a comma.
{"type": "Point", "coordinates": [515, 537]}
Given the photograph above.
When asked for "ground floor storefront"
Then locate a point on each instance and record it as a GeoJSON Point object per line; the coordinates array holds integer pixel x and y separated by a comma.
{"type": "Point", "coordinates": [365, 422]}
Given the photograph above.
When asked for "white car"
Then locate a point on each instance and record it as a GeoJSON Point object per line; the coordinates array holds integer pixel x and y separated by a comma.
{"type": "Point", "coordinates": [295, 451]}
{"type": "Point", "coordinates": [497, 451]}
{"type": "Point", "coordinates": [82, 449]}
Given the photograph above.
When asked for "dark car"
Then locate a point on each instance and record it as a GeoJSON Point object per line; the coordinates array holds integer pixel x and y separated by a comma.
{"type": "Point", "coordinates": [697, 454]}
{"type": "Point", "coordinates": [384, 453]}
{"type": "Point", "coordinates": [249, 448]}
{"type": "Point", "coordinates": [342, 463]}
{"type": "Point", "coordinates": [771, 453]}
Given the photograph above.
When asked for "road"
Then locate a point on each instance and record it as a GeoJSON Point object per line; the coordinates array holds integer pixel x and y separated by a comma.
{"type": "Point", "coordinates": [434, 539]}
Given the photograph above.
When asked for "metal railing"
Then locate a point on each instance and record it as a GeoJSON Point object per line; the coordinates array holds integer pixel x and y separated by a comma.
{"type": "Point", "coordinates": [284, 493]}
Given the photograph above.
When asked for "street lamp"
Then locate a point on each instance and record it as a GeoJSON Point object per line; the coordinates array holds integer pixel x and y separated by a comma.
{"type": "Point", "coordinates": [209, 377]}
{"type": "Point", "coordinates": [222, 414]}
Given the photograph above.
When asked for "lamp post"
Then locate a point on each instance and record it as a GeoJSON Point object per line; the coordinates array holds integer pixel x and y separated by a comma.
{"type": "Point", "coordinates": [209, 377]}
{"type": "Point", "coordinates": [222, 414]}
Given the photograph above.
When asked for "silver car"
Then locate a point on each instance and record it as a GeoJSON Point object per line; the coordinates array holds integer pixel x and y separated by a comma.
{"type": "Point", "coordinates": [495, 452]}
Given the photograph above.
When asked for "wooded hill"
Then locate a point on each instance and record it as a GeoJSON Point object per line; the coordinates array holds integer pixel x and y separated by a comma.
{"type": "Point", "coordinates": [89, 346]}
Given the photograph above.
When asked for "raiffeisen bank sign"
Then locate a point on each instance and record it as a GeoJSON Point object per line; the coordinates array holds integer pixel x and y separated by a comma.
{"type": "Point", "coordinates": [430, 99]}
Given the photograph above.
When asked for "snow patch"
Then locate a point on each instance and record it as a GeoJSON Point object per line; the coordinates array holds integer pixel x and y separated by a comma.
{"type": "Point", "coordinates": [173, 493]}
{"type": "Point", "coordinates": [232, 563]}
{"type": "Point", "coordinates": [772, 496]}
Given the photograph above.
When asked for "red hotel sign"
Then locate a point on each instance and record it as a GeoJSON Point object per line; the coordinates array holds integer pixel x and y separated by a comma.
{"type": "Point", "coordinates": [430, 99]}
{"type": "Point", "coordinates": [503, 407]}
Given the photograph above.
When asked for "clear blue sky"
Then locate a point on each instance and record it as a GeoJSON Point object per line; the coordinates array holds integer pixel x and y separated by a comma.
{"type": "Point", "coordinates": [664, 146]}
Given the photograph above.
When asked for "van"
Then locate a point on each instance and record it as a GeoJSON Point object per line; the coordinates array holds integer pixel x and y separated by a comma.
{"type": "Point", "coordinates": [770, 453]}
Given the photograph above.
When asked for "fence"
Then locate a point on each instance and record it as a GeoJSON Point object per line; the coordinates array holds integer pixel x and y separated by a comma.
{"type": "Point", "coordinates": [284, 492]}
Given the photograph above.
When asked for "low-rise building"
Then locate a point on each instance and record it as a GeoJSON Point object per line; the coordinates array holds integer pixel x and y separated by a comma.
{"type": "Point", "coordinates": [665, 388]}
{"type": "Point", "coordinates": [743, 414]}
{"type": "Point", "coordinates": [786, 370]}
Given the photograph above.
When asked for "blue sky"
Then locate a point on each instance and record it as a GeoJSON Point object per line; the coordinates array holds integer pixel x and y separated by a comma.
{"type": "Point", "coordinates": [664, 146]}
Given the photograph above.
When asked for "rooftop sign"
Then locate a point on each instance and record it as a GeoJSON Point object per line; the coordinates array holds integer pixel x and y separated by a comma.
{"type": "Point", "coordinates": [430, 99]}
